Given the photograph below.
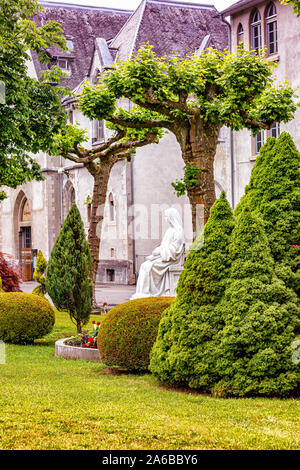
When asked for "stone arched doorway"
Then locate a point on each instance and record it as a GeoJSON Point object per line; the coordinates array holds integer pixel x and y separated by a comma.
{"type": "Point", "coordinates": [23, 235]}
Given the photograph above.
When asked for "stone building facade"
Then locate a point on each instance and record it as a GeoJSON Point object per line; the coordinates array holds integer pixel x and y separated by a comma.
{"type": "Point", "coordinates": [260, 24]}
{"type": "Point", "coordinates": [138, 192]}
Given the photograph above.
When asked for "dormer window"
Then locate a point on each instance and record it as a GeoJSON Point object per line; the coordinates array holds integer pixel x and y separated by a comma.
{"type": "Point", "coordinates": [69, 44]}
{"type": "Point", "coordinates": [63, 64]}
{"type": "Point", "coordinates": [255, 31]}
{"type": "Point", "coordinates": [271, 29]}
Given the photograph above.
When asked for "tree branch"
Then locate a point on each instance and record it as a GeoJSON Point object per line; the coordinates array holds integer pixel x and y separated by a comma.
{"type": "Point", "coordinates": [253, 122]}
{"type": "Point", "coordinates": [140, 125]}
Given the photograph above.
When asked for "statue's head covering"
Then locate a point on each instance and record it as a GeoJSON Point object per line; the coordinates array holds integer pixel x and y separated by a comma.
{"type": "Point", "coordinates": [174, 219]}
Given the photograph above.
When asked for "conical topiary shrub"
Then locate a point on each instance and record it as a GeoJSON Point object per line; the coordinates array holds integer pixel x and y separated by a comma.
{"type": "Point", "coordinates": [274, 194]}
{"type": "Point", "coordinates": [182, 352]}
{"type": "Point", "coordinates": [254, 349]}
{"type": "Point", "coordinates": [38, 275]}
{"type": "Point", "coordinates": [68, 280]}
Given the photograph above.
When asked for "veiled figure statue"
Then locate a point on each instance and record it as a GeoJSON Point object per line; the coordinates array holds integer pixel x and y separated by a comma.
{"type": "Point", "coordinates": [154, 276]}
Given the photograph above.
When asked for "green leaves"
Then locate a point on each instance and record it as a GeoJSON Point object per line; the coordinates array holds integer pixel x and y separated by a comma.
{"type": "Point", "coordinates": [295, 4]}
{"type": "Point", "coordinates": [65, 142]}
{"type": "Point", "coordinates": [189, 180]}
{"type": "Point", "coordinates": [96, 102]}
{"type": "Point", "coordinates": [32, 111]}
{"type": "Point", "coordinates": [224, 88]}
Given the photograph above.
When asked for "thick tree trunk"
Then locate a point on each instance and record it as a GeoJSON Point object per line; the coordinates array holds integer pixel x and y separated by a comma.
{"type": "Point", "coordinates": [101, 176]}
{"type": "Point", "coordinates": [198, 144]}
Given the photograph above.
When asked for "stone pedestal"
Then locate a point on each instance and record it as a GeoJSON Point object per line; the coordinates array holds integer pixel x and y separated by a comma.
{"type": "Point", "coordinates": [174, 272]}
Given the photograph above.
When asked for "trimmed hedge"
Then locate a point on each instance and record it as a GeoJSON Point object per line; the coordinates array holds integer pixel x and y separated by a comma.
{"type": "Point", "coordinates": [24, 317]}
{"type": "Point", "coordinates": [129, 331]}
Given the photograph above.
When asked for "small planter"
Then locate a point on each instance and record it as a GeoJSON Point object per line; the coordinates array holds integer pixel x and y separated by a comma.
{"type": "Point", "coordinates": [75, 352]}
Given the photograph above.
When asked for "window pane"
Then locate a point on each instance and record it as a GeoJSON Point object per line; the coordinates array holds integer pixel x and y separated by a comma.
{"type": "Point", "coordinates": [256, 37]}
{"type": "Point", "coordinates": [100, 130]}
{"type": "Point", "coordinates": [259, 141]}
{"type": "Point", "coordinates": [272, 37]}
{"type": "Point", "coordinates": [275, 130]}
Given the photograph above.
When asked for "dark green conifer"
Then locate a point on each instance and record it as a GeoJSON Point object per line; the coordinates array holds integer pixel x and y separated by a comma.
{"type": "Point", "coordinates": [68, 280]}
{"type": "Point", "coordinates": [253, 352]}
{"type": "Point", "coordinates": [274, 194]}
{"type": "Point", "coordinates": [181, 353]}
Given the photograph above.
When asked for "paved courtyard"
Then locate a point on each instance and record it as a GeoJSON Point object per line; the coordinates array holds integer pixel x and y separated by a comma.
{"type": "Point", "coordinates": [113, 294]}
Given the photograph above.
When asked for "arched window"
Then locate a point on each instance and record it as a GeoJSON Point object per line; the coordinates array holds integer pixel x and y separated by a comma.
{"type": "Point", "coordinates": [72, 196]}
{"type": "Point", "coordinates": [111, 208]}
{"type": "Point", "coordinates": [271, 29]}
{"type": "Point", "coordinates": [26, 212]}
{"type": "Point", "coordinates": [255, 25]}
{"type": "Point", "coordinates": [240, 35]}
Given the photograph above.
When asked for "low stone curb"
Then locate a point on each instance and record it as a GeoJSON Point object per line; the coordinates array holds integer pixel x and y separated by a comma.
{"type": "Point", "coordinates": [75, 352]}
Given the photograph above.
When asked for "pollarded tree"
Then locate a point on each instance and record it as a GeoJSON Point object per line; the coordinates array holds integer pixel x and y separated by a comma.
{"type": "Point", "coordinates": [69, 272]}
{"type": "Point", "coordinates": [193, 97]}
{"type": "Point", "coordinates": [253, 352]}
{"type": "Point", "coordinates": [274, 193]}
{"type": "Point", "coordinates": [30, 111]}
{"type": "Point", "coordinates": [183, 351]}
{"type": "Point", "coordinates": [99, 162]}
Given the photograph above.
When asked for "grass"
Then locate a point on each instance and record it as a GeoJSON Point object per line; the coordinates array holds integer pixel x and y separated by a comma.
{"type": "Point", "coordinates": [55, 403]}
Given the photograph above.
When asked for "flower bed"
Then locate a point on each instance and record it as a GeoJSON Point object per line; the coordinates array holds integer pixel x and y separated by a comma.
{"type": "Point", "coordinates": [62, 349]}
{"type": "Point", "coordinates": [80, 347]}
{"type": "Point", "coordinates": [85, 339]}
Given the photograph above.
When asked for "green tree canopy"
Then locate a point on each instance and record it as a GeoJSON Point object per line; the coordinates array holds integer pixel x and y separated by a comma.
{"type": "Point", "coordinates": [30, 110]}
{"type": "Point", "coordinates": [193, 97]}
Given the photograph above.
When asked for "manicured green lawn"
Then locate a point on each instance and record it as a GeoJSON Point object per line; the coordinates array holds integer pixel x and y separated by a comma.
{"type": "Point", "coordinates": [55, 403]}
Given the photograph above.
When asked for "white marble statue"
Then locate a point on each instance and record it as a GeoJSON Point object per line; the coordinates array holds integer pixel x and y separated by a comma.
{"type": "Point", "coordinates": [154, 276]}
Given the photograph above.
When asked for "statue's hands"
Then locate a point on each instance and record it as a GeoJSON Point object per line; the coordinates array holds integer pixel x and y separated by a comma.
{"type": "Point", "coordinates": [156, 252]}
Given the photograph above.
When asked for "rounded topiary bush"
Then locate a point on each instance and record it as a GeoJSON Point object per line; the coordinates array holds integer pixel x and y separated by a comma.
{"type": "Point", "coordinates": [129, 331]}
{"type": "Point", "coordinates": [24, 317]}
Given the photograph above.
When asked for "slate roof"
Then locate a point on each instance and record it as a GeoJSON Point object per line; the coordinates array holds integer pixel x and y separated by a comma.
{"type": "Point", "coordinates": [171, 27]}
{"type": "Point", "coordinates": [82, 25]}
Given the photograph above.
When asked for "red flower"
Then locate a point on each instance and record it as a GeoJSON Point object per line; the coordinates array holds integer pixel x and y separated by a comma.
{"type": "Point", "coordinates": [91, 339]}
{"type": "Point", "coordinates": [105, 303]}
{"type": "Point", "coordinates": [93, 322]}
{"type": "Point", "coordinates": [85, 345]}
{"type": "Point", "coordinates": [98, 323]}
